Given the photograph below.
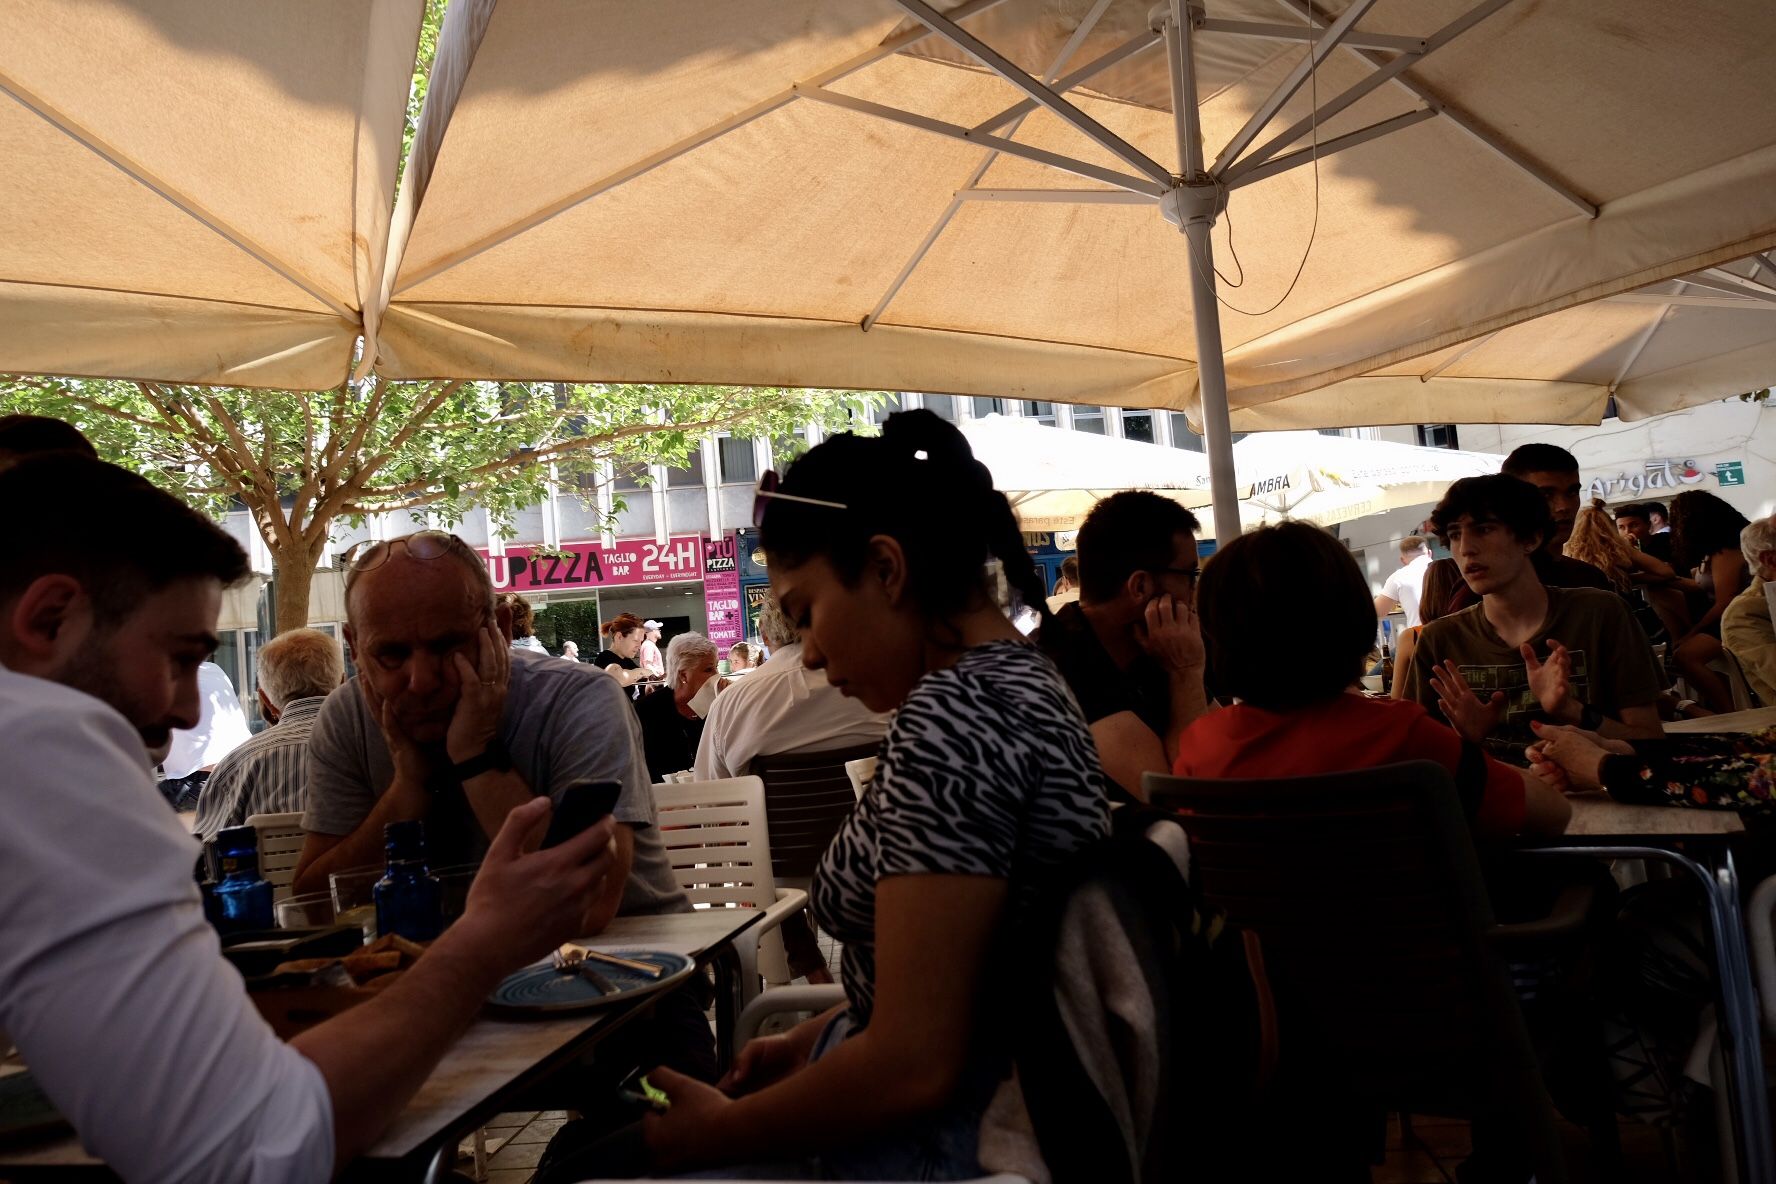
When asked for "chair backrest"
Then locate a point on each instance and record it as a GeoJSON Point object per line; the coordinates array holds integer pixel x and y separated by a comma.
{"type": "Point", "coordinates": [1366, 894]}
{"type": "Point", "coordinates": [718, 842]}
{"type": "Point", "coordinates": [807, 798]}
{"type": "Point", "coordinates": [280, 844]}
{"type": "Point", "coordinates": [1744, 698]}
{"type": "Point", "coordinates": [861, 771]}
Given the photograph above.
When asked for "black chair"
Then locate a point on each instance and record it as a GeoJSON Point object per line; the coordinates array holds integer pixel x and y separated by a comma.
{"type": "Point", "coordinates": [1366, 893]}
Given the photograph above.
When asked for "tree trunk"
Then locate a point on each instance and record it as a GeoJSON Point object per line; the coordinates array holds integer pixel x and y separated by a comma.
{"type": "Point", "coordinates": [293, 568]}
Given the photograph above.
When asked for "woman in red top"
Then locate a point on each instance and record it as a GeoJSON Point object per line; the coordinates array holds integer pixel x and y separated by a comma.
{"type": "Point", "coordinates": [1292, 665]}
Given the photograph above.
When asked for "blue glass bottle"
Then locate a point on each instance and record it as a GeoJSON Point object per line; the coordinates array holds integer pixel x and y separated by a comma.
{"type": "Point", "coordinates": [243, 899]}
{"type": "Point", "coordinates": [409, 898]}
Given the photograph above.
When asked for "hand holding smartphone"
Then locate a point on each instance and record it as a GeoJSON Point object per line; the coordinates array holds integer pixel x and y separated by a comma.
{"type": "Point", "coordinates": [583, 804]}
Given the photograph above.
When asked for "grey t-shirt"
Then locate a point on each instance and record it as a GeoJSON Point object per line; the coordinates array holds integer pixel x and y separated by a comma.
{"type": "Point", "coordinates": [564, 722]}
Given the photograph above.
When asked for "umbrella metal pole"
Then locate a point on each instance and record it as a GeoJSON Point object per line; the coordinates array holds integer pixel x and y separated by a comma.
{"type": "Point", "coordinates": [1192, 204]}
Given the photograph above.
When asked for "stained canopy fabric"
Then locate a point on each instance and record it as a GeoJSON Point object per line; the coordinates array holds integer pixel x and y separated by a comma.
{"type": "Point", "coordinates": [197, 190]}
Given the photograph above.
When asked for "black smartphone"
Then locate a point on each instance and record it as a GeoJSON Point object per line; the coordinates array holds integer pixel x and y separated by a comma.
{"type": "Point", "coordinates": [583, 804]}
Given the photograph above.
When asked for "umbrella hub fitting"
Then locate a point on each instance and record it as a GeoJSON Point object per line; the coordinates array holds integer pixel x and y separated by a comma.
{"type": "Point", "coordinates": [1199, 199]}
{"type": "Point", "coordinates": [1161, 15]}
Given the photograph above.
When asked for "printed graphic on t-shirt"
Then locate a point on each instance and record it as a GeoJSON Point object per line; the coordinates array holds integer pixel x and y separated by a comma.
{"type": "Point", "coordinates": [1513, 735]}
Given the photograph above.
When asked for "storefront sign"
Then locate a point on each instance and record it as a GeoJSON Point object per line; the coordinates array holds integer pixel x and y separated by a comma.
{"type": "Point", "coordinates": [592, 565]}
{"type": "Point", "coordinates": [721, 593]}
{"type": "Point", "coordinates": [1658, 475]}
{"type": "Point", "coordinates": [751, 556]}
{"type": "Point", "coordinates": [755, 597]}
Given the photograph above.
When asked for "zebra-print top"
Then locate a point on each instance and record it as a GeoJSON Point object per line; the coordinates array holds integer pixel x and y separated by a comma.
{"type": "Point", "coordinates": [988, 769]}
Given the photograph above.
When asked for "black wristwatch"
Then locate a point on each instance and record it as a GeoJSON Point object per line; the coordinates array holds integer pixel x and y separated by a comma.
{"type": "Point", "coordinates": [493, 758]}
{"type": "Point", "coordinates": [1590, 719]}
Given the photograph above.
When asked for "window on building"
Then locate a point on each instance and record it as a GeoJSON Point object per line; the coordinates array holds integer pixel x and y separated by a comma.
{"type": "Point", "coordinates": [1183, 437]}
{"type": "Point", "coordinates": [691, 475]}
{"type": "Point", "coordinates": [1331, 431]}
{"type": "Point", "coordinates": [1138, 425]}
{"type": "Point", "coordinates": [943, 406]}
{"type": "Point", "coordinates": [889, 406]}
{"type": "Point", "coordinates": [739, 461]}
{"type": "Point", "coordinates": [1437, 435]}
{"type": "Point", "coordinates": [986, 407]}
{"type": "Point", "coordinates": [1089, 419]}
{"type": "Point", "coordinates": [785, 449]}
{"type": "Point", "coordinates": [1040, 412]}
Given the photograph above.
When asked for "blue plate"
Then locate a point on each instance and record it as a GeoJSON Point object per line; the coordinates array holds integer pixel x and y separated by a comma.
{"type": "Point", "coordinates": [541, 988]}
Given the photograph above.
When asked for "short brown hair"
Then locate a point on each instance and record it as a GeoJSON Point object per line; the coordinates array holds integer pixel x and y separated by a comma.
{"type": "Point", "coordinates": [621, 624]}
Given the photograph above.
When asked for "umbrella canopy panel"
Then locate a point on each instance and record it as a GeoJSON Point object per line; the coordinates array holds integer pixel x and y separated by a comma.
{"type": "Point", "coordinates": [197, 190]}
{"type": "Point", "coordinates": [1053, 478]}
{"type": "Point", "coordinates": [1323, 479]}
{"type": "Point", "coordinates": [802, 173]}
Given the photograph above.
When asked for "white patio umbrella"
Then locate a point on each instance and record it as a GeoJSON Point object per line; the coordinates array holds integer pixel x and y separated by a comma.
{"type": "Point", "coordinates": [197, 190]}
{"type": "Point", "coordinates": [1330, 479]}
{"type": "Point", "coordinates": [1675, 344]}
{"type": "Point", "coordinates": [984, 197]}
{"type": "Point", "coordinates": [1053, 478]}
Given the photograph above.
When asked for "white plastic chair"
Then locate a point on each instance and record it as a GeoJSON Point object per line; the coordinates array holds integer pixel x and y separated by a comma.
{"type": "Point", "coordinates": [280, 844]}
{"type": "Point", "coordinates": [720, 850]}
{"type": "Point", "coordinates": [861, 771]}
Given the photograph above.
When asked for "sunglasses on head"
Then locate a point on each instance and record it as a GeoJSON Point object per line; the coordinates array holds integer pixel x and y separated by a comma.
{"type": "Point", "coordinates": [423, 544]}
{"type": "Point", "coordinates": [768, 492]}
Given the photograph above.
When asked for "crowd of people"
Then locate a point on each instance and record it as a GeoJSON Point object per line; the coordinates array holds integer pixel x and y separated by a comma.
{"type": "Point", "coordinates": [1527, 671]}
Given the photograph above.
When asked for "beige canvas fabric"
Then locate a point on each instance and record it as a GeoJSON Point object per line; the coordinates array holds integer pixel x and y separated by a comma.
{"type": "Point", "coordinates": [197, 190]}
{"type": "Point", "coordinates": [619, 191]}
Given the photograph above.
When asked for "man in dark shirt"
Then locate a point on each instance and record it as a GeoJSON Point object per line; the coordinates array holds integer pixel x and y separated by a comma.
{"type": "Point", "coordinates": [1636, 524]}
{"type": "Point", "coordinates": [672, 716]}
{"type": "Point", "coordinates": [1130, 648]}
{"type": "Point", "coordinates": [1555, 473]}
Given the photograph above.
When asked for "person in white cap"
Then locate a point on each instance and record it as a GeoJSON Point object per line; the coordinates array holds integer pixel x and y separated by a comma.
{"type": "Point", "coordinates": [650, 658]}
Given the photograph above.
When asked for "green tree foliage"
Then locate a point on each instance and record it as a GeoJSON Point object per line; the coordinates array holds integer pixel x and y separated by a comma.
{"type": "Point", "coordinates": [300, 462]}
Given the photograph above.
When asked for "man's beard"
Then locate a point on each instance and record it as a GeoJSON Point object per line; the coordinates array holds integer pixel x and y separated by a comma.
{"type": "Point", "coordinates": [92, 669]}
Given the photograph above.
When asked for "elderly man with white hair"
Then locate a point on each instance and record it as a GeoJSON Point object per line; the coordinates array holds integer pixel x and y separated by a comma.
{"type": "Point", "coordinates": [269, 773]}
{"type": "Point", "coordinates": [672, 716]}
{"type": "Point", "coordinates": [1746, 628]}
{"type": "Point", "coordinates": [782, 707]}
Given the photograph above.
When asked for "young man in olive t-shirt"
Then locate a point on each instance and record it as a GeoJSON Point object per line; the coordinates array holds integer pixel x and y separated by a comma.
{"type": "Point", "coordinates": [1527, 652]}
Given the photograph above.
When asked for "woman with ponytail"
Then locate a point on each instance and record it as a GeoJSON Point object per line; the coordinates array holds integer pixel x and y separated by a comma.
{"type": "Point", "coordinates": [896, 559]}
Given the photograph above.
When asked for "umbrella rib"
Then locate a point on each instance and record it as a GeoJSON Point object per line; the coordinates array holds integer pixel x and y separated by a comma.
{"type": "Point", "coordinates": [1269, 32]}
{"type": "Point", "coordinates": [1285, 90]}
{"type": "Point", "coordinates": [1640, 344]}
{"type": "Point", "coordinates": [1375, 81]}
{"type": "Point", "coordinates": [1461, 119]}
{"type": "Point", "coordinates": [183, 202]}
{"type": "Point", "coordinates": [1463, 352]}
{"type": "Point", "coordinates": [956, 131]}
{"type": "Point", "coordinates": [980, 170]}
{"type": "Point", "coordinates": [1246, 173]}
{"type": "Point", "coordinates": [678, 148]}
{"type": "Point", "coordinates": [1037, 90]}
{"type": "Point", "coordinates": [1714, 281]}
{"type": "Point", "coordinates": [1085, 73]}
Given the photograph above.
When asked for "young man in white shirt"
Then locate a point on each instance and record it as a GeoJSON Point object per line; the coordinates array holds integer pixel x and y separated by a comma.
{"type": "Point", "coordinates": [111, 982]}
{"type": "Point", "coordinates": [1406, 584]}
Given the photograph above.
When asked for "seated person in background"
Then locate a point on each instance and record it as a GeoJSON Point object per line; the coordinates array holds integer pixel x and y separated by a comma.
{"type": "Point", "coordinates": [648, 657]}
{"type": "Point", "coordinates": [1705, 542]}
{"type": "Point", "coordinates": [194, 752]}
{"type": "Point", "coordinates": [1292, 666]}
{"type": "Point", "coordinates": [111, 981]}
{"type": "Point", "coordinates": [1596, 540]}
{"type": "Point", "coordinates": [672, 716]}
{"type": "Point", "coordinates": [1746, 628]}
{"type": "Point", "coordinates": [1130, 649]}
{"type": "Point", "coordinates": [1554, 472]}
{"type": "Point", "coordinates": [1441, 580]}
{"type": "Point", "coordinates": [1708, 770]}
{"type": "Point", "coordinates": [1405, 582]}
{"type": "Point", "coordinates": [742, 657]}
{"type": "Point", "coordinates": [1572, 654]}
{"type": "Point", "coordinates": [1066, 590]}
{"type": "Point", "coordinates": [783, 708]}
{"type": "Point", "coordinates": [988, 779]}
{"type": "Point", "coordinates": [523, 618]}
{"type": "Point", "coordinates": [1664, 595]}
{"type": "Point", "coordinates": [623, 637]}
{"type": "Point", "coordinates": [269, 773]}
{"type": "Point", "coordinates": [1635, 523]}
{"type": "Point", "coordinates": [570, 650]}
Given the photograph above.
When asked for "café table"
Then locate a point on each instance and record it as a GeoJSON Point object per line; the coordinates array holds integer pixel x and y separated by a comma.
{"type": "Point", "coordinates": [493, 1062]}
{"type": "Point", "coordinates": [1699, 844]}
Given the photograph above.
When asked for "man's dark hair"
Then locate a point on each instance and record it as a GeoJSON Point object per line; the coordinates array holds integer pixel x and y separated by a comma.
{"type": "Point", "coordinates": [1267, 644]}
{"type": "Point", "coordinates": [1658, 508]}
{"type": "Point", "coordinates": [1070, 569]}
{"type": "Point", "coordinates": [1125, 533]}
{"type": "Point", "coordinates": [1632, 510]}
{"type": "Point", "coordinates": [1515, 503]}
{"type": "Point", "coordinates": [1540, 458]}
{"type": "Point", "coordinates": [28, 435]}
{"type": "Point", "coordinates": [123, 539]}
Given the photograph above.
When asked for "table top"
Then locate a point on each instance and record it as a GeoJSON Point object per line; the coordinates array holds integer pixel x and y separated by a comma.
{"type": "Point", "coordinates": [1755, 720]}
{"type": "Point", "coordinates": [493, 1053]}
{"type": "Point", "coordinates": [1597, 815]}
